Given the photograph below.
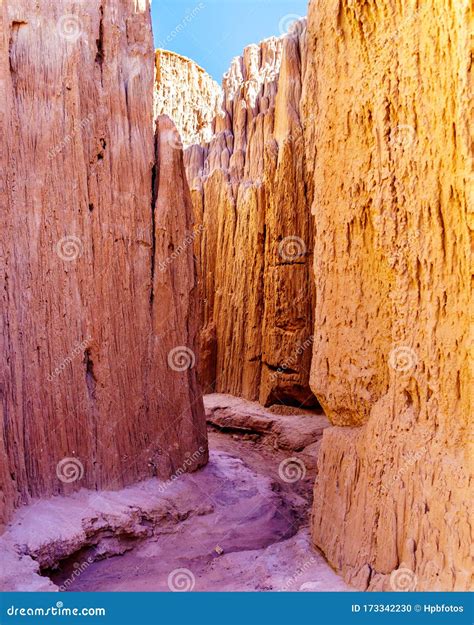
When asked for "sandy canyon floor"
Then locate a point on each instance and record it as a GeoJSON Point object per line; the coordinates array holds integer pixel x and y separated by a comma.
{"type": "Point", "coordinates": [239, 524]}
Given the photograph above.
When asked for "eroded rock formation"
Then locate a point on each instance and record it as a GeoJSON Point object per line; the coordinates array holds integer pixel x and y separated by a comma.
{"type": "Point", "coordinates": [386, 98]}
{"type": "Point", "coordinates": [188, 95]}
{"type": "Point", "coordinates": [98, 324]}
{"type": "Point", "coordinates": [240, 524]}
{"type": "Point", "coordinates": [255, 245]}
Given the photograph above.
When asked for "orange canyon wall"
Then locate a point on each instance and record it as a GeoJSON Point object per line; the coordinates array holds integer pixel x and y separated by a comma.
{"type": "Point", "coordinates": [363, 116]}
{"type": "Point", "coordinates": [254, 245]}
{"type": "Point", "coordinates": [386, 97]}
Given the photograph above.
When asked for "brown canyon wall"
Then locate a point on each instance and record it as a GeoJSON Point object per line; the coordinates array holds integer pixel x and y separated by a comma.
{"type": "Point", "coordinates": [98, 325]}
{"type": "Point", "coordinates": [254, 239]}
{"type": "Point", "coordinates": [386, 97]}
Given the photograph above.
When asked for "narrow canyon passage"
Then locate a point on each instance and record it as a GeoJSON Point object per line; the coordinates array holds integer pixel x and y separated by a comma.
{"type": "Point", "coordinates": [234, 334]}
{"type": "Point", "coordinates": [247, 531]}
{"type": "Point", "coordinates": [239, 524]}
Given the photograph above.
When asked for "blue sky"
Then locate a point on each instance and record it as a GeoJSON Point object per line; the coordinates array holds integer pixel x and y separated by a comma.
{"type": "Point", "coordinates": [212, 32]}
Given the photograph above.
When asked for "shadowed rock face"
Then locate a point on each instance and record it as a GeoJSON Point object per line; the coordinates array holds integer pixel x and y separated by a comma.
{"type": "Point", "coordinates": [388, 147]}
{"type": "Point", "coordinates": [94, 393]}
{"type": "Point", "coordinates": [255, 247]}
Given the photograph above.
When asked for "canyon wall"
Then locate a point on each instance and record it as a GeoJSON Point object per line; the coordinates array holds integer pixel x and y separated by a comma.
{"type": "Point", "coordinates": [254, 243]}
{"type": "Point", "coordinates": [386, 99]}
{"type": "Point", "coordinates": [187, 94]}
{"type": "Point", "coordinates": [98, 326]}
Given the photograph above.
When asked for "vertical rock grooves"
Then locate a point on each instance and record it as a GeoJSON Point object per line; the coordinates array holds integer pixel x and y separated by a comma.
{"type": "Point", "coordinates": [255, 244]}
{"type": "Point", "coordinates": [187, 94]}
{"type": "Point", "coordinates": [175, 320]}
{"type": "Point", "coordinates": [360, 114]}
{"type": "Point", "coordinates": [89, 394]}
{"type": "Point", "coordinates": [386, 97]}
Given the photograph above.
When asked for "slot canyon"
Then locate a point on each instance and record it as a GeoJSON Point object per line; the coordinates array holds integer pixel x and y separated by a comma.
{"type": "Point", "coordinates": [235, 318]}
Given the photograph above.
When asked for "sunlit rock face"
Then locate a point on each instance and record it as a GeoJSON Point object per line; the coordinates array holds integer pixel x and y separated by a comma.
{"type": "Point", "coordinates": [255, 242]}
{"type": "Point", "coordinates": [187, 94]}
{"type": "Point", "coordinates": [386, 99]}
{"type": "Point", "coordinates": [97, 375]}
